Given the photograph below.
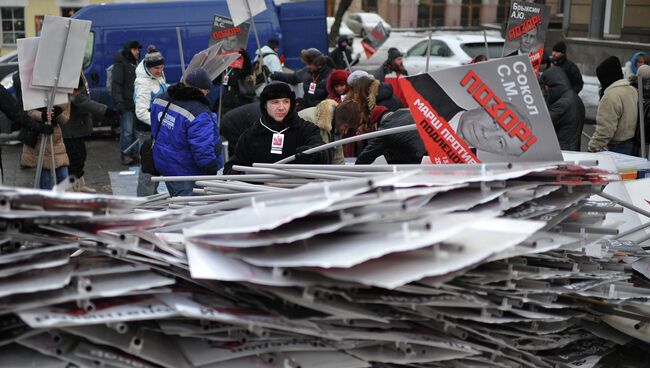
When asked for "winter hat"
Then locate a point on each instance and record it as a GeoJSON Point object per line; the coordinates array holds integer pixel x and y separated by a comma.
{"type": "Point", "coordinates": [320, 60]}
{"type": "Point", "coordinates": [308, 56]}
{"type": "Point", "coordinates": [275, 90]}
{"type": "Point", "coordinates": [557, 81]}
{"type": "Point", "coordinates": [393, 54]}
{"type": "Point", "coordinates": [133, 44]}
{"type": "Point", "coordinates": [644, 72]}
{"type": "Point", "coordinates": [609, 71]}
{"type": "Point", "coordinates": [153, 57]}
{"type": "Point", "coordinates": [341, 39]}
{"type": "Point", "coordinates": [199, 78]}
{"type": "Point", "coordinates": [273, 43]}
{"type": "Point", "coordinates": [358, 74]}
{"type": "Point", "coordinates": [338, 77]}
{"type": "Point", "coordinates": [377, 113]}
{"type": "Point", "coordinates": [560, 47]}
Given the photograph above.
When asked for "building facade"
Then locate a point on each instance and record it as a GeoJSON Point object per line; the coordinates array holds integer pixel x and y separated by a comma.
{"type": "Point", "coordinates": [24, 18]}
{"type": "Point", "coordinates": [624, 20]}
{"type": "Point", "coordinates": [432, 13]}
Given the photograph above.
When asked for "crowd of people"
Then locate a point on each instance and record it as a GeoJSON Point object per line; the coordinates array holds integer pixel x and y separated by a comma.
{"type": "Point", "coordinates": [289, 114]}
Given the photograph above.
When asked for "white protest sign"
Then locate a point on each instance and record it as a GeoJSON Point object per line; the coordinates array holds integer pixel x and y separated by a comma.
{"type": "Point", "coordinates": [33, 98]}
{"type": "Point", "coordinates": [239, 10]}
{"type": "Point", "coordinates": [62, 39]}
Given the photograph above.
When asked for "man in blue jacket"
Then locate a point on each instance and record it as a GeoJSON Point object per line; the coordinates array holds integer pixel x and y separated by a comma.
{"type": "Point", "coordinates": [186, 133]}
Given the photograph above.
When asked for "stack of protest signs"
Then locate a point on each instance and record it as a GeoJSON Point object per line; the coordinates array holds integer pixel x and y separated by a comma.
{"type": "Point", "coordinates": [395, 266]}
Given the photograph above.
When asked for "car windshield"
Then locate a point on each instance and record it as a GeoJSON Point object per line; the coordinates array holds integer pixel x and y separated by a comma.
{"type": "Point", "coordinates": [477, 48]}
{"type": "Point", "coordinates": [371, 18]}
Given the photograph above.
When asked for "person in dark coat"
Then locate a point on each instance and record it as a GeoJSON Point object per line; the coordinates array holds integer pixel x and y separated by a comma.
{"type": "Point", "coordinates": [234, 123]}
{"type": "Point", "coordinates": [565, 107]}
{"type": "Point", "coordinates": [342, 52]}
{"type": "Point", "coordinates": [558, 58]}
{"type": "Point", "coordinates": [79, 128]}
{"type": "Point", "coordinates": [313, 77]}
{"type": "Point", "coordinates": [123, 76]}
{"type": "Point", "coordinates": [400, 148]}
{"type": "Point", "coordinates": [391, 71]}
{"type": "Point", "coordinates": [16, 116]}
{"type": "Point", "coordinates": [279, 133]}
{"type": "Point", "coordinates": [231, 95]}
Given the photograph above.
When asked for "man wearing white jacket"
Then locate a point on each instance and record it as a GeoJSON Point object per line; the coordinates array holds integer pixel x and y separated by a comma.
{"type": "Point", "coordinates": [149, 83]}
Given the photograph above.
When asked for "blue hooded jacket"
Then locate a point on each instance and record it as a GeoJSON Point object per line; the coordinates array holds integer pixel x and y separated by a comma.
{"type": "Point", "coordinates": [188, 142]}
{"type": "Point", "coordinates": [633, 60]}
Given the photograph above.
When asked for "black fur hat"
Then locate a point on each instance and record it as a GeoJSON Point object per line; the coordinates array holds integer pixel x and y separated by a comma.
{"type": "Point", "coordinates": [275, 90]}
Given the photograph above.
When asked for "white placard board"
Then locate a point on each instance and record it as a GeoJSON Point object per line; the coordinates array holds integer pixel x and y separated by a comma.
{"type": "Point", "coordinates": [33, 98]}
{"type": "Point", "coordinates": [212, 60]}
{"type": "Point", "coordinates": [54, 46]}
{"type": "Point", "coordinates": [239, 11]}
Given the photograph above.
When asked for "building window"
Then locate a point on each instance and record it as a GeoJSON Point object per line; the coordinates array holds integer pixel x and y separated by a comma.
{"type": "Point", "coordinates": [369, 6]}
{"type": "Point", "coordinates": [503, 11]}
{"type": "Point", "coordinates": [13, 25]}
{"type": "Point", "coordinates": [470, 14]}
{"type": "Point", "coordinates": [431, 13]}
{"type": "Point", "coordinates": [614, 13]}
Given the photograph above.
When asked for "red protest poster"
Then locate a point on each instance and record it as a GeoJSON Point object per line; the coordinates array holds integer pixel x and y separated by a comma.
{"type": "Point", "coordinates": [232, 38]}
{"type": "Point", "coordinates": [526, 32]}
{"type": "Point", "coordinates": [488, 112]}
{"type": "Point", "coordinates": [374, 40]}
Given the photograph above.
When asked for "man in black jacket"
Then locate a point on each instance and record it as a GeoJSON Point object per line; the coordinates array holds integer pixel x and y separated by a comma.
{"type": "Point", "coordinates": [236, 121]}
{"type": "Point", "coordinates": [231, 95]}
{"type": "Point", "coordinates": [566, 108]}
{"type": "Point", "coordinates": [123, 76]}
{"type": "Point", "coordinates": [79, 128]}
{"type": "Point", "coordinates": [342, 52]}
{"type": "Point", "coordinates": [400, 148]}
{"type": "Point", "coordinates": [558, 58]}
{"type": "Point", "coordinates": [313, 77]}
{"type": "Point", "coordinates": [279, 133]}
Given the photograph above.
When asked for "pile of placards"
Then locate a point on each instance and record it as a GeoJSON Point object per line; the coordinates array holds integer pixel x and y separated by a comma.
{"type": "Point", "coordinates": [458, 266]}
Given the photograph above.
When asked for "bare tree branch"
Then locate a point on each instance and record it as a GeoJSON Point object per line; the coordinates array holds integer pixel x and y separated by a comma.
{"type": "Point", "coordinates": [334, 31]}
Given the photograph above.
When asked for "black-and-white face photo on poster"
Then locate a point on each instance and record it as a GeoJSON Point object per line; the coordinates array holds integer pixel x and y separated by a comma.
{"type": "Point", "coordinates": [526, 32]}
{"type": "Point", "coordinates": [487, 112]}
{"type": "Point", "coordinates": [232, 38]}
